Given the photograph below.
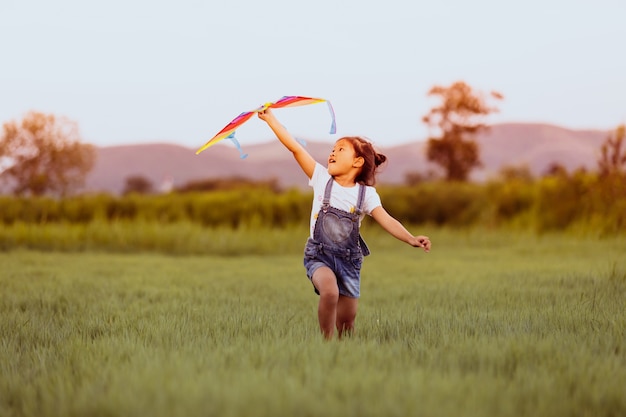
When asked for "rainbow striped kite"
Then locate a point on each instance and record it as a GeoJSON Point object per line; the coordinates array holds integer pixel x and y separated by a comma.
{"type": "Point", "coordinates": [228, 132]}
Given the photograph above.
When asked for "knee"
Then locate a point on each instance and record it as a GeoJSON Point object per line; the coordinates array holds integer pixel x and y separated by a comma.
{"type": "Point", "coordinates": [329, 294]}
{"type": "Point", "coordinates": [326, 284]}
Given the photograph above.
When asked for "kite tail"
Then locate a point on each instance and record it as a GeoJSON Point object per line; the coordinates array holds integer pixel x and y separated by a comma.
{"type": "Point", "coordinates": [301, 142]}
{"type": "Point", "coordinates": [333, 125]}
{"type": "Point", "coordinates": [237, 145]}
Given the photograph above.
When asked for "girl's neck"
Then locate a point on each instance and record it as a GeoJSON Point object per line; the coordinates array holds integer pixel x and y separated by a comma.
{"type": "Point", "coordinates": [345, 180]}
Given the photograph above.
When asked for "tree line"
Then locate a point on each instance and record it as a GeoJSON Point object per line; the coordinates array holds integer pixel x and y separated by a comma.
{"type": "Point", "coordinates": [580, 201]}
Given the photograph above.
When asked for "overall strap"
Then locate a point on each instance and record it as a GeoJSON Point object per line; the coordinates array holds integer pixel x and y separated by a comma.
{"type": "Point", "coordinates": [361, 200]}
{"type": "Point", "coordinates": [329, 186]}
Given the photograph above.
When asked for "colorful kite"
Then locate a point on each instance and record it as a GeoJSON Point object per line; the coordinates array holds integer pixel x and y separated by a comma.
{"type": "Point", "coordinates": [228, 132]}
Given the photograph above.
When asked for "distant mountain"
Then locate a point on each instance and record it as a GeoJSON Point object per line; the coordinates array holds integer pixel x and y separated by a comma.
{"type": "Point", "coordinates": [511, 144]}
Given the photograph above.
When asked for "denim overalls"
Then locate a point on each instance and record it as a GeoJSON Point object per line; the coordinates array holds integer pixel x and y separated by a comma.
{"type": "Point", "coordinates": [338, 244]}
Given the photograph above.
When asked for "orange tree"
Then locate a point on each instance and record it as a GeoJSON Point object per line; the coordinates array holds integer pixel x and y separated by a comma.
{"type": "Point", "coordinates": [43, 154]}
{"type": "Point", "coordinates": [457, 119]}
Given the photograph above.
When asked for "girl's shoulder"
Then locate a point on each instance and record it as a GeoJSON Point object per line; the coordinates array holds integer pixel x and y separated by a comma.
{"type": "Point", "coordinates": [320, 174]}
{"type": "Point", "coordinates": [370, 189]}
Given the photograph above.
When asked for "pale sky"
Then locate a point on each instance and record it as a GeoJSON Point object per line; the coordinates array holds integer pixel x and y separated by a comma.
{"type": "Point", "coordinates": [139, 71]}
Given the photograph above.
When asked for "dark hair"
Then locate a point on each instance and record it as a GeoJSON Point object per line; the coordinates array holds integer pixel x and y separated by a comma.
{"type": "Point", "coordinates": [372, 159]}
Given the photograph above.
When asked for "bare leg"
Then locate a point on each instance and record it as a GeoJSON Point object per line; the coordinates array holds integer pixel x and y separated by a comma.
{"type": "Point", "coordinates": [346, 313]}
{"type": "Point", "coordinates": [326, 283]}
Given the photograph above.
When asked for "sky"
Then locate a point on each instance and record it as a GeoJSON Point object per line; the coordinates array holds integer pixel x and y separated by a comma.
{"type": "Point", "coordinates": [144, 71]}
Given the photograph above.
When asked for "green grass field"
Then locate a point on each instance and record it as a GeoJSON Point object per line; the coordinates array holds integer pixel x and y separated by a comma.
{"type": "Point", "coordinates": [487, 324]}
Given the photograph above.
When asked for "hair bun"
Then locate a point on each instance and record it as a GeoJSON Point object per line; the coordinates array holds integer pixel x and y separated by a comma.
{"type": "Point", "coordinates": [379, 159]}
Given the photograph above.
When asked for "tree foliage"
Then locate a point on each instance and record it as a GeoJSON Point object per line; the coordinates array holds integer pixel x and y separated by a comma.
{"type": "Point", "coordinates": [43, 154]}
{"type": "Point", "coordinates": [455, 122]}
{"type": "Point", "coordinates": [138, 184]}
{"type": "Point", "coordinates": [228, 183]}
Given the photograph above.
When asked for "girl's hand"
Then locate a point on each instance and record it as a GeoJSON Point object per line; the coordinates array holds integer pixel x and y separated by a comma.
{"type": "Point", "coordinates": [266, 115]}
{"type": "Point", "coordinates": [421, 242]}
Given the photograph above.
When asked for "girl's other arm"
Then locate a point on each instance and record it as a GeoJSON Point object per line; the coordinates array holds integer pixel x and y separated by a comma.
{"type": "Point", "coordinates": [397, 230]}
{"type": "Point", "coordinates": [304, 159]}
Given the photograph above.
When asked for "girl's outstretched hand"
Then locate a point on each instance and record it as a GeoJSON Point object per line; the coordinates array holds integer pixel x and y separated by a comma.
{"type": "Point", "coordinates": [421, 242]}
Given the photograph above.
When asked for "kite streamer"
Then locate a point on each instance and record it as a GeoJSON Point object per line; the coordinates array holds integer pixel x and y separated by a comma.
{"type": "Point", "coordinates": [228, 132]}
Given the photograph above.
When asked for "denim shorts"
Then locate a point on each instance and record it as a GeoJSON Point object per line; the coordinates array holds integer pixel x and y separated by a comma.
{"type": "Point", "coordinates": [347, 269]}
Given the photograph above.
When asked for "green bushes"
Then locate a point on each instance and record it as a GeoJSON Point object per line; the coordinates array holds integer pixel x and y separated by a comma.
{"type": "Point", "coordinates": [584, 202]}
{"type": "Point", "coordinates": [223, 208]}
{"type": "Point", "coordinates": [439, 203]}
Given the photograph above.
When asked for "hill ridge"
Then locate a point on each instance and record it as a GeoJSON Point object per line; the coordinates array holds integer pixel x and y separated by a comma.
{"type": "Point", "coordinates": [536, 145]}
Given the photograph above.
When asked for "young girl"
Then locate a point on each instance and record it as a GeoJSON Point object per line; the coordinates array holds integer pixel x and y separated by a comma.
{"type": "Point", "coordinates": [334, 252]}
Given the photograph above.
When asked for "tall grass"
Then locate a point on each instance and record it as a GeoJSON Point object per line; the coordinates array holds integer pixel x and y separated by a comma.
{"type": "Point", "coordinates": [488, 323]}
{"type": "Point", "coordinates": [181, 238]}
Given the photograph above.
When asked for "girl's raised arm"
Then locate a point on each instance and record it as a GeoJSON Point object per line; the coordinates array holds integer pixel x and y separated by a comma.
{"type": "Point", "coordinates": [304, 158]}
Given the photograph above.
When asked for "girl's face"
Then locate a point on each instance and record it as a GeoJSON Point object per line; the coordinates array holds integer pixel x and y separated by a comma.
{"type": "Point", "coordinates": [343, 158]}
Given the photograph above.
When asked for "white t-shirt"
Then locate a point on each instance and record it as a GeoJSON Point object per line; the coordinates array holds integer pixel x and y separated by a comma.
{"type": "Point", "coordinates": [343, 198]}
